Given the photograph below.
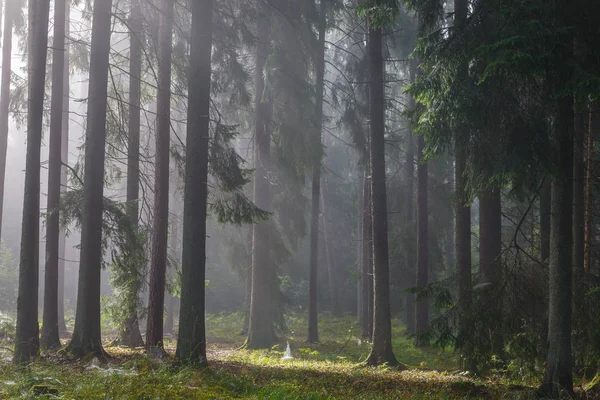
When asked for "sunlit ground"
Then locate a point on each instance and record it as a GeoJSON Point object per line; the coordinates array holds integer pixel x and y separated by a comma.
{"type": "Point", "coordinates": [329, 370]}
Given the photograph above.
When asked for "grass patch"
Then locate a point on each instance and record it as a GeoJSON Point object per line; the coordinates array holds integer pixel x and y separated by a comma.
{"type": "Point", "coordinates": [332, 369]}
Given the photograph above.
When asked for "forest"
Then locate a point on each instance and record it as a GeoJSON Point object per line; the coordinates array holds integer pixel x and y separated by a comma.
{"type": "Point", "coordinates": [299, 199]}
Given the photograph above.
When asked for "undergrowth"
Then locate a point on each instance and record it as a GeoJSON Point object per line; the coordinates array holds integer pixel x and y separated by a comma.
{"type": "Point", "coordinates": [332, 369]}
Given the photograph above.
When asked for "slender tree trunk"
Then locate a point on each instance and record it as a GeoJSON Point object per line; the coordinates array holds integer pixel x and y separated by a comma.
{"type": "Point", "coordinates": [313, 329]}
{"type": "Point", "coordinates": [64, 156]}
{"type": "Point", "coordinates": [579, 195]}
{"type": "Point", "coordinates": [27, 339]}
{"type": "Point", "coordinates": [559, 375]}
{"type": "Point", "coordinates": [463, 222]}
{"type": "Point", "coordinates": [381, 351]}
{"type": "Point", "coordinates": [410, 219]}
{"type": "Point", "coordinates": [261, 333]}
{"type": "Point", "coordinates": [130, 334]}
{"type": "Point", "coordinates": [170, 299]}
{"type": "Point", "coordinates": [191, 343]}
{"type": "Point", "coordinates": [422, 306]}
{"type": "Point", "coordinates": [490, 250]}
{"type": "Point", "coordinates": [545, 211]}
{"type": "Point", "coordinates": [160, 229]}
{"type": "Point", "coordinates": [248, 295]}
{"type": "Point", "coordinates": [9, 15]}
{"type": "Point", "coordinates": [86, 334]}
{"type": "Point", "coordinates": [589, 186]}
{"type": "Point", "coordinates": [361, 209]}
{"type": "Point", "coordinates": [50, 335]}
{"type": "Point", "coordinates": [331, 270]}
{"type": "Point", "coordinates": [450, 246]}
{"type": "Point", "coordinates": [367, 261]}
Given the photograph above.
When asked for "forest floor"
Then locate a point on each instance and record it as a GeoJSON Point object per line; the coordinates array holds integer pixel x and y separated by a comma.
{"type": "Point", "coordinates": [332, 369]}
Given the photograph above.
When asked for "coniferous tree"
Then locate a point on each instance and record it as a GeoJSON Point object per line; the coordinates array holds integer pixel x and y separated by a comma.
{"type": "Point", "coordinates": [160, 228]}
{"type": "Point", "coordinates": [381, 351]}
{"type": "Point", "coordinates": [313, 332]}
{"type": "Point", "coordinates": [87, 334]}
{"type": "Point", "coordinates": [191, 343]}
{"type": "Point", "coordinates": [9, 14]}
{"type": "Point", "coordinates": [367, 260]}
{"type": "Point", "coordinates": [130, 334]}
{"type": "Point", "coordinates": [50, 332]}
{"type": "Point", "coordinates": [27, 335]}
{"type": "Point", "coordinates": [261, 332]}
{"type": "Point", "coordinates": [422, 305]}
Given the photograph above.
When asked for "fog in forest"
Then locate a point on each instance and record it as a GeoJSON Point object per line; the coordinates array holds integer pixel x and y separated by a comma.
{"type": "Point", "coordinates": [284, 190]}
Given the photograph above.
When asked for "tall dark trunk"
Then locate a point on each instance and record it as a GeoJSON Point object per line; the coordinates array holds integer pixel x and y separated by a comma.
{"type": "Point", "coordinates": [27, 339]}
{"type": "Point", "coordinates": [422, 306]}
{"type": "Point", "coordinates": [410, 218]}
{"type": "Point", "coordinates": [160, 223]}
{"type": "Point", "coordinates": [86, 334]}
{"type": "Point", "coordinates": [381, 352]}
{"type": "Point", "coordinates": [579, 194]}
{"type": "Point", "coordinates": [331, 269]}
{"type": "Point", "coordinates": [261, 333]}
{"type": "Point", "coordinates": [9, 15]}
{"type": "Point", "coordinates": [589, 185]}
{"type": "Point", "coordinates": [361, 208]}
{"type": "Point", "coordinates": [64, 155]}
{"type": "Point", "coordinates": [130, 334]}
{"type": "Point", "coordinates": [490, 250]}
{"type": "Point", "coordinates": [248, 287]}
{"type": "Point", "coordinates": [191, 343]}
{"type": "Point", "coordinates": [50, 335]}
{"type": "Point", "coordinates": [449, 242]}
{"type": "Point", "coordinates": [463, 221]}
{"type": "Point", "coordinates": [313, 330]}
{"type": "Point", "coordinates": [545, 211]}
{"type": "Point", "coordinates": [170, 299]}
{"type": "Point", "coordinates": [558, 376]}
{"type": "Point", "coordinates": [367, 261]}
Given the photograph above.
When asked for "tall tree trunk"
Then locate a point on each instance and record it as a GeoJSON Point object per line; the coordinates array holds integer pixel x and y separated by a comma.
{"type": "Point", "coordinates": [361, 208]}
{"type": "Point", "coordinates": [579, 194]}
{"type": "Point", "coordinates": [86, 334]}
{"type": "Point", "coordinates": [261, 333]}
{"type": "Point", "coordinates": [313, 329]}
{"type": "Point", "coordinates": [50, 335]}
{"type": "Point", "coordinates": [367, 261]}
{"type": "Point", "coordinates": [559, 376]}
{"type": "Point", "coordinates": [490, 250]}
{"type": "Point", "coordinates": [381, 352]}
{"type": "Point", "coordinates": [160, 224]}
{"type": "Point", "coordinates": [422, 306]}
{"type": "Point", "coordinates": [9, 15]}
{"type": "Point", "coordinates": [545, 211]}
{"type": "Point", "coordinates": [27, 339]}
{"type": "Point", "coordinates": [331, 270]}
{"type": "Point", "coordinates": [410, 218]}
{"type": "Point", "coordinates": [130, 334]}
{"type": "Point", "coordinates": [191, 343]}
{"type": "Point", "coordinates": [64, 156]}
{"type": "Point", "coordinates": [170, 299]}
{"type": "Point", "coordinates": [450, 246]}
{"type": "Point", "coordinates": [589, 186]}
{"type": "Point", "coordinates": [463, 221]}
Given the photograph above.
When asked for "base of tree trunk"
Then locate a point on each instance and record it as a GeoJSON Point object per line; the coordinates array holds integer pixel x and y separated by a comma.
{"type": "Point", "coordinates": [130, 336]}
{"type": "Point", "coordinates": [80, 349]}
{"type": "Point", "coordinates": [388, 359]}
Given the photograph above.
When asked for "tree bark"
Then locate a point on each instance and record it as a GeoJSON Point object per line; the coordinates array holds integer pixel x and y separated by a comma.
{"type": "Point", "coordinates": [50, 335]}
{"type": "Point", "coordinates": [422, 306]}
{"type": "Point", "coordinates": [191, 343]}
{"type": "Point", "coordinates": [367, 261]}
{"type": "Point", "coordinates": [313, 329]}
{"type": "Point", "coordinates": [170, 299]}
{"type": "Point", "coordinates": [381, 352]}
{"type": "Point", "coordinates": [130, 334]}
{"type": "Point", "coordinates": [64, 155]}
{"type": "Point", "coordinates": [331, 269]}
{"type": "Point", "coordinates": [558, 375]}
{"type": "Point", "coordinates": [27, 339]}
{"type": "Point", "coordinates": [86, 334]}
{"type": "Point", "coordinates": [160, 224]}
{"type": "Point", "coordinates": [490, 250]}
{"type": "Point", "coordinates": [589, 186]}
{"type": "Point", "coordinates": [579, 195]}
{"type": "Point", "coordinates": [410, 218]}
{"type": "Point", "coordinates": [261, 332]}
{"type": "Point", "coordinates": [545, 211]}
{"type": "Point", "coordinates": [9, 15]}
